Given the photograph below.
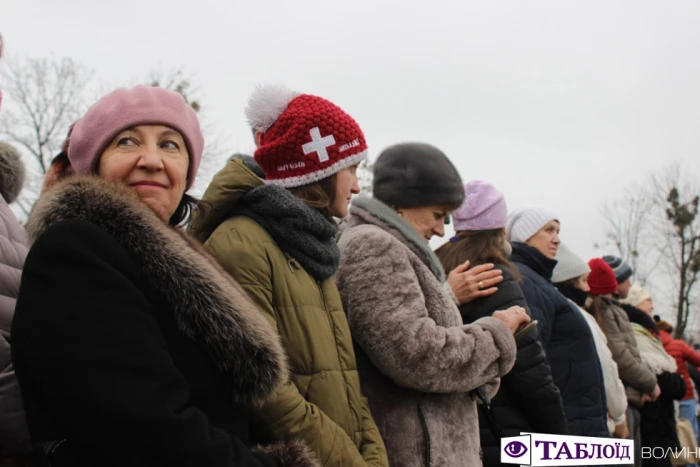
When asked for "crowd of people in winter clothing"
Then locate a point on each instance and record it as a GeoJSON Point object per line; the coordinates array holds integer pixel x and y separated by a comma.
{"type": "Point", "coordinates": [286, 319]}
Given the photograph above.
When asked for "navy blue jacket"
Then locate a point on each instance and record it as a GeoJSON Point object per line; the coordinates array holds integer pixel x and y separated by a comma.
{"type": "Point", "coordinates": [568, 342]}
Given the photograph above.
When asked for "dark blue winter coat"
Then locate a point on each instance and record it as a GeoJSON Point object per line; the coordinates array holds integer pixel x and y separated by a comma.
{"type": "Point", "coordinates": [568, 342]}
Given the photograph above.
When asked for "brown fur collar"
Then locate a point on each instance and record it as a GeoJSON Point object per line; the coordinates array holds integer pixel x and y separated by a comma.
{"type": "Point", "coordinates": [207, 304]}
{"type": "Point", "coordinates": [290, 454]}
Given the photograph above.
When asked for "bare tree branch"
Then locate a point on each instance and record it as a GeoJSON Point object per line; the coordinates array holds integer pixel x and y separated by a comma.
{"type": "Point", "coordinates": [44, 97]}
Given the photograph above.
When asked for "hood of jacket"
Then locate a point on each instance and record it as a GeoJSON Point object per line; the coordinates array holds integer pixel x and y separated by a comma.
{"type": "Point", "coordinates": [224, 194]}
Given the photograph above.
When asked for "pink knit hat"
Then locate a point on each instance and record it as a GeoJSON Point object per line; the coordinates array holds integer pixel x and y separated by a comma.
{"type": "Point", "coordinates": [126, 108]}
{"type": "Point", "coordinates": [484, 208]}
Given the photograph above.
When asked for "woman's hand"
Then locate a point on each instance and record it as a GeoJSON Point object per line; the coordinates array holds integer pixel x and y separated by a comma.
{"type": "Point", "coordinates": [655, 393]}
{"type": "Point", "coordinates": [470, 284]}
{"type": "Point", "coordinates": [514, 317]}
{"type": "Point", "coordinates": [621, 431]}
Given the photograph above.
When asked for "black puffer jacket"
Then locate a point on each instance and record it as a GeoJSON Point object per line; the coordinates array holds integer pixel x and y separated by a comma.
{"type": "Point", "coordinates": [528, 400]}
{"type": "Point", "coordinates": [658, 423]}
{"type": "Point", "coordinates": [568, 343]}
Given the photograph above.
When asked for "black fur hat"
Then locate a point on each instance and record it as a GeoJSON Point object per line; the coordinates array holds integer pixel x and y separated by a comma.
{"type": "Point", "coordinates": [409, 175]}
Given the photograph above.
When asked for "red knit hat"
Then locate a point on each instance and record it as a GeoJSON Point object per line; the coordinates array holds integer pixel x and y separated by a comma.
{"type": "Point", "coordinates": [602, 279]}
{"type": "Point", "coordinates": [304, 138]}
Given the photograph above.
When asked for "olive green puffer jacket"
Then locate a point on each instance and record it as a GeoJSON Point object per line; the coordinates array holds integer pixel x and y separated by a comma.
{"type": "Point", "coordinates": [322, 404]}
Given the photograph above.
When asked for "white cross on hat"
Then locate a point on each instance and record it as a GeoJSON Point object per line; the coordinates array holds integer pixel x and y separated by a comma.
{"type": "Point", "coordinates": [318, 144]}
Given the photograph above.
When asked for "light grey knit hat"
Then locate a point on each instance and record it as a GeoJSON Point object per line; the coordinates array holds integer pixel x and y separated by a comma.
{"type": "Point", "coordinates": [525, 223]}
{"type": "Point", "coordinates": [569, 265]}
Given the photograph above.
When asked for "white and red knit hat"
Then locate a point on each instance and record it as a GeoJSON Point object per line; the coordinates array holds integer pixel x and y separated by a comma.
{"type": "Point", "coordinates": [304, 138]}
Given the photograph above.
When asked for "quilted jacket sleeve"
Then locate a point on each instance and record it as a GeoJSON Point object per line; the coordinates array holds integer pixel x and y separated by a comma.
{"type": "Point", "coordinates": [14, 434]}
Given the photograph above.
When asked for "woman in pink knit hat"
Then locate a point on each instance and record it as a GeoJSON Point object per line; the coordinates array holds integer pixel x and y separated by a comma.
{"type": "Point", "coordinates": [528, 400]}
{"type": "Point", "coordinates": [131, 346]}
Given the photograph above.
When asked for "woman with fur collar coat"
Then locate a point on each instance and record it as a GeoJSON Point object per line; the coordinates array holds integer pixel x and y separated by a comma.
{"type": "Point", "coordinates": [418, 363]}
{"type": "Point", "coordinates": [131, 346]}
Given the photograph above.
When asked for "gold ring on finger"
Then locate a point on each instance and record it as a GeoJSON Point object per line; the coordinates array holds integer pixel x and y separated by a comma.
{"type": "Point", "coordinates": [481, 285]}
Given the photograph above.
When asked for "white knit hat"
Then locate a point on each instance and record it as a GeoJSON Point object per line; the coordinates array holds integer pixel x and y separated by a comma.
{"type": "Point", "coordinates": [636, 295]}
{"type": "Point", "coordinates": [525, 223]}
{"type": "Point", "coordinates": [569, 265]}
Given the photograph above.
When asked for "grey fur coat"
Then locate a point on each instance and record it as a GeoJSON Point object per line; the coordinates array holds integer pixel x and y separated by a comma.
{"type": "Point", "coordinates": [417, 361]}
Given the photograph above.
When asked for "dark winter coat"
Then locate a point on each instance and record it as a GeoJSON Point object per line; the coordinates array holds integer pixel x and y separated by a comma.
{"type": "Point", "coordinates": [568, 342]}
{"type": "Point", "coordinates": [14, 435]}
{"type": "Point", "coordinates": [132, 345]}
{"type": "Point", "coordinates": [658, 421]}
{"type": "Point", "coordinates": [418, 362]}
{"type": "Point", "coordinates": [528, 400]}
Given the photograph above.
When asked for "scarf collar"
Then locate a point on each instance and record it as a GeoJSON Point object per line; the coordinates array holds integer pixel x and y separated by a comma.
{"type": "Point", "coordinates": [532, 258]}
{"type": "Point", "coordinates": [300, 231]}
{"type": "Point", "coordinates": [372, 211]}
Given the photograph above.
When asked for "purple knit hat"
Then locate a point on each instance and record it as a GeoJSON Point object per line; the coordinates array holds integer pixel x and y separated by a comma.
{"type": "Point", "coordinates": [126, 108]}
{"type": "Point", "coordinates": [484, 208]}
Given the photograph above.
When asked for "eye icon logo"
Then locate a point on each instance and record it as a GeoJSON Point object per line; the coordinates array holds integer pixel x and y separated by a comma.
{"type": "Point", "coordinates": [515, 449]}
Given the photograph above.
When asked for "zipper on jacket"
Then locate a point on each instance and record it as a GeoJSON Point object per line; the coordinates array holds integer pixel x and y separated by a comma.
{"type": "Point", "coordinates": [55, 447]}
{"type": "Point", "coordinates": [337, 352]}
{"type": "Point", "coordinates": [328, 315]}
{"type": "Point", "coordinates": [426, 434]}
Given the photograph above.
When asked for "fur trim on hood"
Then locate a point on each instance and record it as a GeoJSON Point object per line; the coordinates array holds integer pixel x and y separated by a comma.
{"type": "Point", "coordinates": [11, 172]}
{"type": "Point", "coordinates": [208, 306]}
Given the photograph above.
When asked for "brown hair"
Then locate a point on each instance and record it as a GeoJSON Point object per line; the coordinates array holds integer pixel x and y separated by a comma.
{"type": "Point", "coordinates": [319, 195]}
{"type": "Point", "coordinates": [573, 283]}
{"type": "Point", "coordinates": [596, 310]}
{"type": "Point", "coordinates": [477, 246]}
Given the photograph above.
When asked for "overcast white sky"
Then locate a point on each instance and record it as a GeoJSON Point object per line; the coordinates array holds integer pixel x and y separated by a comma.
{"type": "Point", "coordinates": [558, 103]}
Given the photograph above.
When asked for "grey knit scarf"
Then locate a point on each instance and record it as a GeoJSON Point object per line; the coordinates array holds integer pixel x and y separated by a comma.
{"type": "Point", "coordinates": [300, 231]}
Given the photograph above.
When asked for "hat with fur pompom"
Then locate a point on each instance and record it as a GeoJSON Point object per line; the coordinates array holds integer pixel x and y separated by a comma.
{"type": "Point", "coordinates": [11, 173]}
{"type": "Point", "coordinates": [303, 138]}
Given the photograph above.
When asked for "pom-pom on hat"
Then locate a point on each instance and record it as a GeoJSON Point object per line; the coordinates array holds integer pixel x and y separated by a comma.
{"type": "Point", "coordinates": [12, 173]}
{"type": "Point", "coordinates": [304, 138]}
